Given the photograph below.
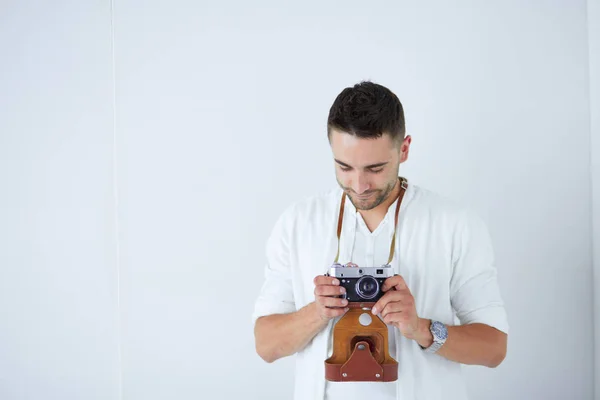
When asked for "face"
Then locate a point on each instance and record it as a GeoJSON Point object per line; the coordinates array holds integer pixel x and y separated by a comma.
{"type": "Point", "coordinates": [367, 169]}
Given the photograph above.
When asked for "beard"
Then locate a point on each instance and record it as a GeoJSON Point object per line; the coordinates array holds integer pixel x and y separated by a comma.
{"type": "Point", "coordinates": [375, 198]}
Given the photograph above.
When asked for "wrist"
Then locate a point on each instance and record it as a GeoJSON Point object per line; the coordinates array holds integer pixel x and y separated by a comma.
{"type": "Point", "coordinates": [424, 336]}
{"type": "Point", "coordinates": [316, 316]}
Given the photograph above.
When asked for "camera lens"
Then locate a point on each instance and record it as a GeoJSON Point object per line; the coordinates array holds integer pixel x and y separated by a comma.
{"type": "Point", "coordinates": [367, 287]}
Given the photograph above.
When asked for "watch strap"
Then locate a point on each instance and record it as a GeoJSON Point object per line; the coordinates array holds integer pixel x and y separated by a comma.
{"type": "Point", "coordinates": [438, 342]}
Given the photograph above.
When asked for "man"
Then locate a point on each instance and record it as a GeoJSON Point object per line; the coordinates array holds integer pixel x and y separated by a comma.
{"type": "Point", "coordinates": [443, 307]}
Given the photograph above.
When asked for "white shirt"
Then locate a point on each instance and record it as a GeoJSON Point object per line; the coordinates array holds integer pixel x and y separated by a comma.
{"type": "Point", "coordinates": [444, 254]}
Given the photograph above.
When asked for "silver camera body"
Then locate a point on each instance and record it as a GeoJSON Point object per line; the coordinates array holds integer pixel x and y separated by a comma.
{"type": "Point", "coordinates": [361, 284]}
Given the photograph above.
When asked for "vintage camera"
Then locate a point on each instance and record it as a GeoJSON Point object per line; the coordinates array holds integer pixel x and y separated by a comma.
{"type": "Point", "coordinates": [361, 284]}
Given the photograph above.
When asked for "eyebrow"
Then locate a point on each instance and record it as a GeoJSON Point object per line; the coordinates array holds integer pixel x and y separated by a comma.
{"type": "Point", "coordinates": [368, 166]}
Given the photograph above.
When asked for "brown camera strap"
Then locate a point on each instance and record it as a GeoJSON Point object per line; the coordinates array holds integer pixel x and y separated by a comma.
{"type": "Point", "coordinates": [403, 187]}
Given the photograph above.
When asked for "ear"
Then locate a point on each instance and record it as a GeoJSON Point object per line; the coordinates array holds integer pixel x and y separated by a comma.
{"type": "Point", "coordinates": [404, 148]}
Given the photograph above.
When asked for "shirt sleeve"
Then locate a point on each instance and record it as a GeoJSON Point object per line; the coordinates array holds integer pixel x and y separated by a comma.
{"type": "Point", "coordinates": [475, 294]}
{"type": "Point", "coordinates": [276, 295]}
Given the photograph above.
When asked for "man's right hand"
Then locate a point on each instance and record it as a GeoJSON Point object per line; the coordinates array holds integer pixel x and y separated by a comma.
{"type": "Point", "coordinates": [328, 305]}
{"type": "Point", "coordinates": [281, 335]}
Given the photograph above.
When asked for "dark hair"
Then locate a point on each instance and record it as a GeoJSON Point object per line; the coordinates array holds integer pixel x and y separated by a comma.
{"type": "Point", "coordinates": [367, 110]}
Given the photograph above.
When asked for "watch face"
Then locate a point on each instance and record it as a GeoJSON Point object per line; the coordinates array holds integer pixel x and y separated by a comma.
{"type": "Point", "coordinates": [439, 330]}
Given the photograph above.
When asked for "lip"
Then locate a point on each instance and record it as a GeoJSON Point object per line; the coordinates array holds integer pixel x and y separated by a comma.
{"type": "Point", "coordinates": [364, 197]}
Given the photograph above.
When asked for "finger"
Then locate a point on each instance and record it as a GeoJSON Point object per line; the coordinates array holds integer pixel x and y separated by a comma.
{"type": "Point", "coordinates": [396, 318]}
{"type": "Point", "coordinates": [384, 300]}
{"type": "Point", "coordinates": [325, 280]}
{"type": "Point", "coordinates": [393, 296]}
{"type": "Point", "coordinates": [393, 307]}
{"type": "Point", "coordinates": [328, 290]}
{"type": "Point", "coordinates": [397, 282]}
{"type": "Point", "coordinates": [404, 304]}
{"type": "Point", "coordinates": [332, 301]}
{"type": "Point", "coordinates": [402, 297]}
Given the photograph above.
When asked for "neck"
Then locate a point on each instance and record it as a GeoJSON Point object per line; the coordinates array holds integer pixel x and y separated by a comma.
{"type": "Point", "coordinates": [374, 216]}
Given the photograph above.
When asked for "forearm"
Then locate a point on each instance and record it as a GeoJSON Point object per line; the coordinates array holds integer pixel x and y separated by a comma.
{"type": "Point", "coordinates": [474, 344]}
{"type": "Point", "coordinates": [281, 335]}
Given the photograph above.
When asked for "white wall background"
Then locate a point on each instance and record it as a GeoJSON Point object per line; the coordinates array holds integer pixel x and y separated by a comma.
{"type": "Point", "coordinates": [142, 286]}
{"type": "Point", "coordinates": [58, 272]}
{"type": "Point", "coordinates": [594, 57]}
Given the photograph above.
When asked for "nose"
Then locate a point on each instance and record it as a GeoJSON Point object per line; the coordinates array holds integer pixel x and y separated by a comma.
{"type": "Point", "coordinates": [360, 184]}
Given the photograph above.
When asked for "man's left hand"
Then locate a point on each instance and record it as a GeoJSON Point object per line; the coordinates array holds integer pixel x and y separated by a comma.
{"type": "Point", "coordinates": [397, 307]}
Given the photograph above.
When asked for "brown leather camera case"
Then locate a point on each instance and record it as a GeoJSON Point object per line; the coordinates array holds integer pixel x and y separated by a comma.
{"type": "Point", "coordinates": [360, 353]}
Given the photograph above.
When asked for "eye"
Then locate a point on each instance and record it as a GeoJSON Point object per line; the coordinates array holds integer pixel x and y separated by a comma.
{"type": "Point", "coordinates": [376, 171]}
{"type": "Point", "coordinates": [345, 168]}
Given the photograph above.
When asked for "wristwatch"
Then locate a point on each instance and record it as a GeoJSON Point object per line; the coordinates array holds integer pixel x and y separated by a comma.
{"type": "Point", "coordinates": [440, 334]}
